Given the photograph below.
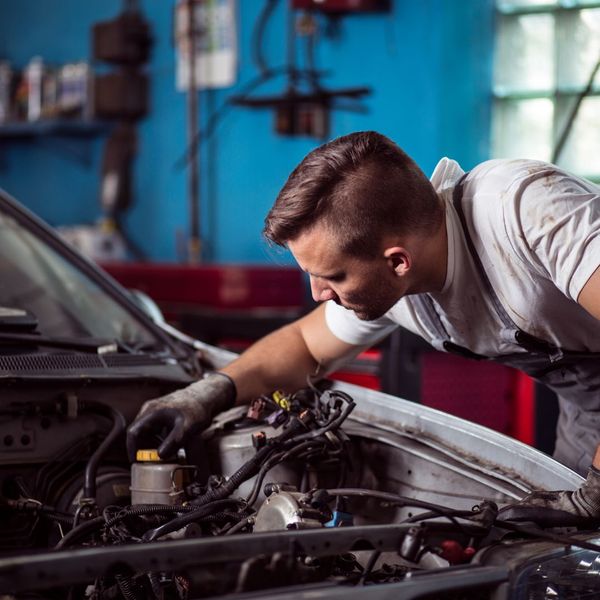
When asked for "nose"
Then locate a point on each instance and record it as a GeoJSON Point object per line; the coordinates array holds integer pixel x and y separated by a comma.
{"type": "Point", "coordinates": [321, 292]}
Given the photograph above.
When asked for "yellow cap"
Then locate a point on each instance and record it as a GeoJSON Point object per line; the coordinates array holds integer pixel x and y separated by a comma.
{"type": "Point", "coordinates": [147, 455]}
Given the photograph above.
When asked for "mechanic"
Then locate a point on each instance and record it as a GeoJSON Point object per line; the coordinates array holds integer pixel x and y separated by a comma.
{"type": "Point", "coordinates": [501, 263]}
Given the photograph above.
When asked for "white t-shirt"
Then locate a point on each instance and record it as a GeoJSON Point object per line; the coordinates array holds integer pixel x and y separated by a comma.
{"type": "Point", "coordinates": [536, 230]}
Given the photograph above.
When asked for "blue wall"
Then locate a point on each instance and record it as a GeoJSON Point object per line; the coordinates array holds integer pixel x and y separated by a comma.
{"type": "Point", "coordinates": [428, 63]}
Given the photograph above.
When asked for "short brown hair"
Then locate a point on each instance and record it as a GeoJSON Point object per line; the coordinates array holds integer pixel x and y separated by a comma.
{"type": "Point", "coordinates": [361, 186]}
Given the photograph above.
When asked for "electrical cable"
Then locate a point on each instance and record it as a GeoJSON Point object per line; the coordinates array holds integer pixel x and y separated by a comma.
{"type": "Point", "coordinates": [253, 466]}
{"type": "Point", "coordinates": [291, 50]}
{"type": "Point", "coordinates": [433, 514]}
{"type": "Point", "coordinates": [204, 134]}
{"type": "Point", "coordinates": [274, 461]}
{"type": "Point", "coordinates": [266, 74]}
{"type": "Point", "coordinates": [258, 36]}
{"type": "Point", "coordinates": [398, 500]}
{"type": "Point", "coordinates": [339, 418]}
{"type": "Point", "coordinates": [571, 119]}
{"type": "Point", "coordinates": [548, 535]}
{"type": "Point", "coordinates": [310, 45]}
{"type": "Point", "coordinates": [80, 532]}
{"type": "Point", "coordinates": [188, 518]}
{"type": "Point", "coordinates": [369, 567]}
{"type": "Point", "coordinates": [240, 525]}
{"type": "Point", "coordinates": [88, 527]}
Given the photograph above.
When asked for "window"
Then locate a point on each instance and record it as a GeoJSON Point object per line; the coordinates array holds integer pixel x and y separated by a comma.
{"type": "Point", "coordinates": [547, 52]}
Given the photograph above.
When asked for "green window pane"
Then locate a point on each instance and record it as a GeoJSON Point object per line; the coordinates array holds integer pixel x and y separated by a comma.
{"type": "Point", "coordinates": [523, 129]}
{"type": "Point", "coordinates": [509, 5]}
{"type": "Point", "coordinates": [578, 40]}
{"type": "Point", "coordinates": [581, 152]}
{"type": "Point", "coordinates": [525, 54]}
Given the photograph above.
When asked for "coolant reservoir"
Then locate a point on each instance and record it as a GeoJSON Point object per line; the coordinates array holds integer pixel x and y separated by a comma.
{"type": "Point", "coordinates": [154, 481]}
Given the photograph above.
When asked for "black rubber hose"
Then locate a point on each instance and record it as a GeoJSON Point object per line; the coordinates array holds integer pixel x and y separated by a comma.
{"type": "Point", "coordinates": [147, 509]}
{"type": "Point", "coordinates": [401, 501]}
{"type": "Point", "coordinates": [80, 532]}
{"type": "Point", "coordinates": [276, 459]}
{"type": "Point", "coordinates": [126, 587]}
{"type": "Point", "coordinates": [35, 508]}
{"type": "Point", "coordinates": [88, 527]}
{"type": "Point", "coordinates": [251, 468]}
{"type": "Point", "coordinates": [189, 517]}
{"type": "Point", "coordinates": [118, 427]}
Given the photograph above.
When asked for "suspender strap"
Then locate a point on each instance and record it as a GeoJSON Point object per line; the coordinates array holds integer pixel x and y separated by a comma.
{"type": "Point", "coordinates": [506, 320]}
{"type": "Point", "coordinates": [511, 332]}
{"type": "Point", "coordinates": [423, 305]}
{"type": "Point", "coordinates": [426, 312]}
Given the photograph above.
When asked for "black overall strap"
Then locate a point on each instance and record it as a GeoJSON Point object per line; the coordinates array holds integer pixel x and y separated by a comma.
{"type": "Point", "coordinates": [425, 309]}
{"type": "Point", "coordinates": [511, 332]}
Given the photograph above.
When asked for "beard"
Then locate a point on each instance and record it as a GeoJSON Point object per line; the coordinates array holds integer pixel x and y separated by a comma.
{"type": "Point", "coordinates": [371, 306]}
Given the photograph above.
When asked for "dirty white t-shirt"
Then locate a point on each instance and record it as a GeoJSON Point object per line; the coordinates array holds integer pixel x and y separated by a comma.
{"type": "Point", "coordinates": [536, 230]}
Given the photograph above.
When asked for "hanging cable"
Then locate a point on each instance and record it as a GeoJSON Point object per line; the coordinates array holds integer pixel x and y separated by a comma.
{"type": "Point", "coordinates": [258, 35]}
{"type": "Point", "coordinates": [571, 119]}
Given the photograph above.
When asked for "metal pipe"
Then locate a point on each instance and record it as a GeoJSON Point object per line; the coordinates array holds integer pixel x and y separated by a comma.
{"type": "Point", "coordinates": [194, 242]}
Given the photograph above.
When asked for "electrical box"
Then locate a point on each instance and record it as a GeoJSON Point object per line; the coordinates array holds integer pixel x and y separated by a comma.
{"type": "Point", "coordinates": [121, 95]}
{"type": "Point", "coordinates": [302, 118]}
{"type": "Point", "coordinates": [342, 6]}
{"type": "Point", "coordinates": [125, 40]}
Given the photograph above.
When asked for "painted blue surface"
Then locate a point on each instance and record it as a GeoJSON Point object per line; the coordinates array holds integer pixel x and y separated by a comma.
{"type": "Point", "coordinates": [428, 63]}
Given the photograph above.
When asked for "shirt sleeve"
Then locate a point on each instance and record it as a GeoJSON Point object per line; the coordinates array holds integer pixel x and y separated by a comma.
{"type": "Point", "coordinates": [560, 223]}
{"type": "Point", "coordinates": [346, 326]}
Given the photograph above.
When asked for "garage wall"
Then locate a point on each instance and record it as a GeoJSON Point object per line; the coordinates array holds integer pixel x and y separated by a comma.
{"type": "Point", "coordinates": [428, 63]}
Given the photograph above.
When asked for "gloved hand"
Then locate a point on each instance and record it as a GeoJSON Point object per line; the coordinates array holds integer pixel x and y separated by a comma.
{"type": "Point", "coordinates": [181, 413]}
{"type": "Point", "coordinates": [559, 507]}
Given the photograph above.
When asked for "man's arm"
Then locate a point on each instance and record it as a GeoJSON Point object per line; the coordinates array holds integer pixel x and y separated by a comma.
{"type": "Point", "coordinates": [589, 297]}
{"type": "Point", "coordinates": [284, 358]}
{"type": "Point", "coordinates": [281, 360]}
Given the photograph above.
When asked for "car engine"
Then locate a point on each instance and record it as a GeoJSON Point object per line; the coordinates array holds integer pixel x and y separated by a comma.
{"type": "Point", "coordinates": [288, 492]}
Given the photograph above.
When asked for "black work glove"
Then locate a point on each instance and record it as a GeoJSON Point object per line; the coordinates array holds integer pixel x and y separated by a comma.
{"type": "Point", "coordinates": [560, 507]}
{"type": "Point", "coordinates": [181, 414]}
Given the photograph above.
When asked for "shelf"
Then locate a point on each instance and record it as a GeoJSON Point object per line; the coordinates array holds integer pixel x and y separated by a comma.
{"type": "Point", "coordinates": [51, 128]}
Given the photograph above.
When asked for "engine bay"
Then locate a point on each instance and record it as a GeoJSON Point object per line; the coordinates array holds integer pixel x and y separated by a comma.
{"type": "Point", "coordinates": [290, 492]}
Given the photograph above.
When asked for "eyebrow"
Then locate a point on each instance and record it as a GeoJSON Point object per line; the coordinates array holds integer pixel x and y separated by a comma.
{"type": "Point", "coordinates": [321, 275]}
{"type": "Point", "coordinates": [328, 275]}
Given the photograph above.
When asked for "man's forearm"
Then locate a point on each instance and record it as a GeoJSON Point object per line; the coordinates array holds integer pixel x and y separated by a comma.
{"type": "Point", "coordinates": [281, 360]}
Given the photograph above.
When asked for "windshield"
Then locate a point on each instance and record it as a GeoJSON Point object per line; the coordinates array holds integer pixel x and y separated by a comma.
{"type": "Point", "coordinates": [65, 301]}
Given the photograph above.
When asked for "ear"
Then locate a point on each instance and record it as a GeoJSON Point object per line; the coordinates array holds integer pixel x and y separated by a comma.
{"type": "Point", "coordinates": [399, 259]}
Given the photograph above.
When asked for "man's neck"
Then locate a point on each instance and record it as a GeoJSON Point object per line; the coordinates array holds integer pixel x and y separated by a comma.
{"type": "Point", "coordinates": [433, 261]}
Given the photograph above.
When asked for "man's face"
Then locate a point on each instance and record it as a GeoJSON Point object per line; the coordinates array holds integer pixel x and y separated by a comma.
{"type": "Point", "coordinates": [369, 287]}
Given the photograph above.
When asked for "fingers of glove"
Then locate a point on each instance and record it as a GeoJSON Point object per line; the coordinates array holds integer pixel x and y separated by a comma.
{"type": "Point", "coordinates": [542, 499]}
{"type": "Point", "coordinates": [542, 515]}
{"type": "Point", "coordinates": [587, 496]}
{"type": "Point", "coordinates": [153, 405]}
{"type": "Point", "coordinates": [174, 439]}
{"type": "Point", "coordinates": [146, 429]}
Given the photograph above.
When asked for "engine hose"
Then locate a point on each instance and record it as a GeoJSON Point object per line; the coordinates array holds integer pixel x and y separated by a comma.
{"type": "Point", "coordinates": [118, 427]}
{"type": "Point", "coordinates": [250, 468]}
{"type": "Point", "coordinates": [147, 509]}
{"type": "Point", "coordinates": [88, 527]}
{"type": "Point", "coordinates": [80, 532]}
{"type": "Point", "coordinates": [35, 507]}
{"type": "Point", "coordinates": [60, 518]}
{"type": "Point", "coordinates": [274, 460]}
{"type": "Point", "coordinates": [190, 517]}
{"type": "Point", "coordinates": [402, 501]}
{"type": "Point", "coordinates": [338, 418]}
{"type": "Point", "coordinates": [221, 516]}
{"type": "Point", "coordinates": [125, 586]}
